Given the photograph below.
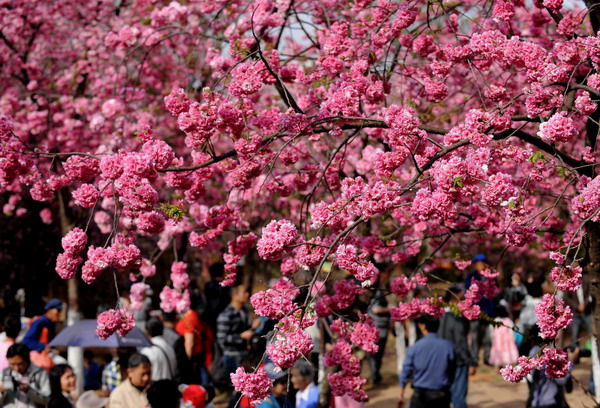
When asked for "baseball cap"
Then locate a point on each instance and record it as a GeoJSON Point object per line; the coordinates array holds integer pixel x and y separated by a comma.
{"type": "Point", "coordinates": [480, 258]}
{"type": "Point", "coordinates": [53, 304]}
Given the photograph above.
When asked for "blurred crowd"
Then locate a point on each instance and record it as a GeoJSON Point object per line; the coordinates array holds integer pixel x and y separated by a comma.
{"type": "Point", "coordinates": [192, 355]}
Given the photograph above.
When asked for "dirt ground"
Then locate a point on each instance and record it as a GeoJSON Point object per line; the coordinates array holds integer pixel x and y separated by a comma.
{"type": "Point", "coordinates": [487, 389]}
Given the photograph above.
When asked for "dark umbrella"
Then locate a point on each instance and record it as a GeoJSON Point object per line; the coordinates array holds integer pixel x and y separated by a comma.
{"type": "Point", "coordinates": [83, 334]}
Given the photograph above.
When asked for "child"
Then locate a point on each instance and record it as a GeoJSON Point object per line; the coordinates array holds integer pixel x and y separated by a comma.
{"type": "Point", "coordinates": [504, 348]}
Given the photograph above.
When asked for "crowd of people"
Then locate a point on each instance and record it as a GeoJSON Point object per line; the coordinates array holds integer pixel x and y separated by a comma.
{"type": "Point", "coordinates": [190, 360]}
{"type": "Point", "coordinates": [193, 354]}
{"type": "Point", "coordinates": [444, 352]}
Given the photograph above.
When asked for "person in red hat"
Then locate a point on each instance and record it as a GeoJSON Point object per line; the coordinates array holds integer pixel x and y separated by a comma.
{"type": "Point", "coordinates": [194, 396]}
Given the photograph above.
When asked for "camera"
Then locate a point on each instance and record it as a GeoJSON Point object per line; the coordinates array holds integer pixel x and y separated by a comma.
{"type": "Point", "coordinates": [582, 352]}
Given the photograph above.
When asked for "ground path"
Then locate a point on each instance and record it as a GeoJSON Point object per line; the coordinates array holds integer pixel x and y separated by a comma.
{"type": "Point", "coordinates": [487, 389]}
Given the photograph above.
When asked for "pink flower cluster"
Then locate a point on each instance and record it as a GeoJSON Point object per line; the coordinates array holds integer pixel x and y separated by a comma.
{"type": "Point", "coordinates": [245, 80]}
{"type": "Point", "coordinates": [499, 190]}
{"type": "Point", "coordinates": [346, 381]}
{"type": "Point", "coordinates": [75, 241]}
{"type": "Point", "coordinates": [179, 276]}
{"type": "Point", "coordinates": [462, 265]}
{"type": "Point", "coordinates": [567, 278]}
{"type": "Point", "coordinates": [277, 238]}
{"type": "Point", "coordinates": [347, 258]}
{"type": "Point", "coordinates": [81, 168]}
{"type": "Point", "coordinates": [401, 286]}
{"type": "Point", "coordinates": [172, 300]}
{"type": "Point", "coordinates": [147, 269]}
{"type": "Point", "coordinates": [584, 103]}
{"type": "Point", "coordinates": [151, 222]}
{"type": "Point", "coordinates": [559, 128]}
{"type": "Point", "coordinates": [137, 293]}
{"type": "Point", "coordinates": [272, 303]}
{"type": "Point", "coordinates": [433, 205]}
{"type": "Point", "coordinates": [255, 386]}
{"type": "Point", "coordinates": [6, 127]}
{"type": "Point", "coordinates": [503, 10]}
{"type": "Point", "coordinates": [86, 196]}
{"type": "Point", "coordinates": [416, 308]}
{"type": "Point", "coordinates": [469, 307]}
{"type": "Point", "coordinates": [122, 254]}
{"type": "Point", "coordinates": [435, 91]}
{"type": "Point", "coordinates": [98, 260]}
{"type": "Point", "coordinates": [177, 102]}
{"type": "Point", "coordinates": [404, 127]}
{"type": "Point", "coordinates": [111, 321]}
{"type": "Point", "coordinates": [236, 249]}
{"type": "Point", "coordinates": [365, 334]}
{"type": "Point", "coordinates": [290, 342]}
{"type": "Point", "coordinates": [518, 372]}
{"type": "Point", "coordinates": [68, 262]}
{"type": "Point", "coordinates": [552, 315]}
{"type": "Point", "coordinates": [557, 364]}
{"type": "Point", "coordinates": [587, 204]}
{"type": "Point", "coordinates": [67, 265]}
{"type": "Point", "coordinates": [344, 294]}
{"type": "Point", "coordinates": [553, 361]}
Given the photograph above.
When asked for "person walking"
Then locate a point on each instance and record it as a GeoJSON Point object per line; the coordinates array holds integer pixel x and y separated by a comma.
{"type": "Point", "coordinates": [430, 365]}
{"type": "Point", "coordinates": [62, 384]}
{"type": "Point", "coordinates": [198, 341]}
{"type": "Point", "coordinates": [132, 392]}
{"type": "Point", "coordinates": [455, 329]}
{"type": "Point", "coordinates": [24, 385]}
{"type": "Point", "coordinates": [161, 354]}
{"type": "Point", "coordinates": [43, 328]}
{"type": "Point", "coordinates": [480, 328]}
{"type": "Point", "coordinates": [234, 329]}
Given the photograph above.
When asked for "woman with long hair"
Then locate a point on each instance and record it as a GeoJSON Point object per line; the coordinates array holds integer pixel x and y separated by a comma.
{"type": "Point", "coordinates": [62, 384]}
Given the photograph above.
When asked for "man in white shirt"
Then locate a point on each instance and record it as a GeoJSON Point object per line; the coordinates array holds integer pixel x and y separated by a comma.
{"type": "Point", "coordinates": [303, 375]}
{"type": "Point", "coordinates": [161, 354]}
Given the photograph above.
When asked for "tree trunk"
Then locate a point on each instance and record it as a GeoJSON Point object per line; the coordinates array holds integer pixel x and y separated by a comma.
{"type": "Point", "coordinates": [74, 354]}
{"type": "Point", "coordinates": [592, 269]}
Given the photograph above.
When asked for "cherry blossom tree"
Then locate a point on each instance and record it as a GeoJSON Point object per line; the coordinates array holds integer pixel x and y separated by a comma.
{"type": "Point", "coordinates": [309, 132]}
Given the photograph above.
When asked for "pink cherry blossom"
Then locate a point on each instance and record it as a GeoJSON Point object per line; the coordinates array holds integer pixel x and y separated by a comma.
{"type": "Point", "coordinates": [255, 386]}
{"type": "Point", "coordinates": [276, 238]}
{"type": "Point", "coordinates": [75, 241]}
{"type": "Point", "coordinates": [552, 316]}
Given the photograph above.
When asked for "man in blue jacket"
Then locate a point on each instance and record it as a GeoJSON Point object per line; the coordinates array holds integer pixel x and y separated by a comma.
{"type": "Point", "coordinates": [430, 366]}
{"type": "Point", "coordinates": [43, 329]}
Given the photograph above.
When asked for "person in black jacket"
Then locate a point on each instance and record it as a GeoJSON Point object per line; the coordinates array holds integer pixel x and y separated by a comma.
{"type": "Point", "coordinates": [62, 383]}
{"type": "Point", "coordinates": [234, 329]}
{"type": "Point", "coordinates": [455, 328]}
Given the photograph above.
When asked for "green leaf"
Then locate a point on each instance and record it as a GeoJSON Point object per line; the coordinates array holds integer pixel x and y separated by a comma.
{"type": "Point", "coordinates": [534, 158]}
{"type": "Point", "coordinates": [457, 182]}
{"type": "Point", "coordinates": [173, 211]}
